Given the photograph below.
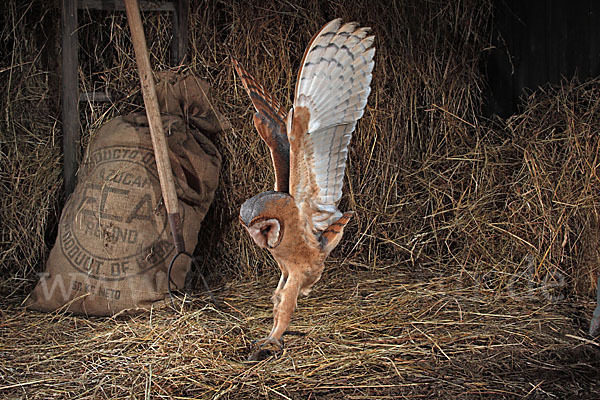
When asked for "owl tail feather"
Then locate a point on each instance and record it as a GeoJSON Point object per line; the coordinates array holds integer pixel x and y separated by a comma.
{"type": "Point", "coordinates": [333, 234]}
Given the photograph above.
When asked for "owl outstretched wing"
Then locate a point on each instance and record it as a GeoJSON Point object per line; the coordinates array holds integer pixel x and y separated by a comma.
{"type": "Point", "coordinates": [330, 97]}
{"type": "Point", "coordinates": [269, 121]}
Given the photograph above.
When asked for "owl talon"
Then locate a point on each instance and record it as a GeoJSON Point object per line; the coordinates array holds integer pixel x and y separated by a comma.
{"type": "Point", "coordinates": [264, 348]}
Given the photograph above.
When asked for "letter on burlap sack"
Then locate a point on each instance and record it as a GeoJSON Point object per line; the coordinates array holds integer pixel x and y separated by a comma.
{"type": "Point", "coordinates": [114, 243]}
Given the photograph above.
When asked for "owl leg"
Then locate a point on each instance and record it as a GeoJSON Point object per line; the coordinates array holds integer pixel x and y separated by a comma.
{"type": "Point", "coordinates": [282, 280]}
{"type": "Point", "coordinates": [280, 285]}
{"type": "Point", "coordinates": [276, 297]}
{"type": "Point", "coordinates": [284, 303]}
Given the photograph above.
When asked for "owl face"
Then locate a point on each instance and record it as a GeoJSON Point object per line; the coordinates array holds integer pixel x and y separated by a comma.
{"type": "Point", "coordinates": [266, 233]}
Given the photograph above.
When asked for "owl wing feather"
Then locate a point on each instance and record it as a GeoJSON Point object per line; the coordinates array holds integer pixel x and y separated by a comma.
{"type": "Point", "coordinates": [330, 97]}
{"type": "Point", "coordinates": [269, 121]}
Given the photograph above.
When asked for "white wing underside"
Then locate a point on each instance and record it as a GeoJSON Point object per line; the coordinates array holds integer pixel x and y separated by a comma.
{"type": "Point", "coordinates": [333, 84]}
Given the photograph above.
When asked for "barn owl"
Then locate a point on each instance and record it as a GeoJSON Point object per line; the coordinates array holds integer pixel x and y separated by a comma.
{"type": "Point", "coordinates": [299, 222]}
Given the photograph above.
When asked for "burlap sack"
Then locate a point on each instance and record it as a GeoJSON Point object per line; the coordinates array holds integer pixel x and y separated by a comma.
{"type": "Point", "coordinates": [114, 243]}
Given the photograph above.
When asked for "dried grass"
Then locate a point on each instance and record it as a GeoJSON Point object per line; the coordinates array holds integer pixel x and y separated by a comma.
{"type": "Point", "coordinates": [467, 272]}
{"type": "Point", "coordinates": [390, 337]}
{"type": "Point", "coordinates": [29, 157]}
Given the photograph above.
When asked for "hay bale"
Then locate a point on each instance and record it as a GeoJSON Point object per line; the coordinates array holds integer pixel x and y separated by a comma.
{"type": "Point", "coordinates": [433, 184]}
{"type": "Point", "coordinates": [553, 202]}
{"type": "Point", "coordinates": [30, 166]}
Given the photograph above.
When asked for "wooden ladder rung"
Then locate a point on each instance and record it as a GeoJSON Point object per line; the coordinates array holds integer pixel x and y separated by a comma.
{"type": "Point", "coordinates": [92, 97]}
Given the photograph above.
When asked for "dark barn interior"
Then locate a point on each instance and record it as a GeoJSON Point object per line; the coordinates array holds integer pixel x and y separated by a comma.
{"type": "Point", "coordinates": [468, 271]}
{"type": "Point", "coordinates": [536, 43]}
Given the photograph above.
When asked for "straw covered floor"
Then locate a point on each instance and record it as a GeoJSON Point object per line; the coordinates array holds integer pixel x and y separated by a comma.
{"type": "Point", "coordinates": [468, 271]}
{"type": "Point", "coordinates": [366, 337]}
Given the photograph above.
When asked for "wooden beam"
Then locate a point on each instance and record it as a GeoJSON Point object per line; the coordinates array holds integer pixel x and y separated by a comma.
{"type": "Point", "coordinates": [70, 86]}
{"type": "Point", "coordinates": [180, 32]}
{"type": "Point", "coordinates": [119, 5]}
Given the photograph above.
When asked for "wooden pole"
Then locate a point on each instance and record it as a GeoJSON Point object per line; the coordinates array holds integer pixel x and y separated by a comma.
{"type": "Point", "coordinates": [180, 31]}
{"type": "Point", "coordinates": [70, 96]}
{"type": "Point", "coordinates": [159, 141]}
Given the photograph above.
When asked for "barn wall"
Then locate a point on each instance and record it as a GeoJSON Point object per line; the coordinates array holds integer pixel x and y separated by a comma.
{"type": "Point", "coordinates": [538, 42]}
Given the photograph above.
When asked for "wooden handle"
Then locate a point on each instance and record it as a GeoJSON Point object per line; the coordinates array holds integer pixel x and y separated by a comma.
{"type": "Point", "coordinates": [159, 142]}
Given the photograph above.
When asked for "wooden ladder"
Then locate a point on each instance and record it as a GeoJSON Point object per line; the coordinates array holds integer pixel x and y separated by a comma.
{"type": "Point", "coordinates": [70, 64]}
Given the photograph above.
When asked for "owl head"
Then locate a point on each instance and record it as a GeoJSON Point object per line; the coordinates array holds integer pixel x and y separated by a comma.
{"type": "Point", "coordinates": [262, 216]}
